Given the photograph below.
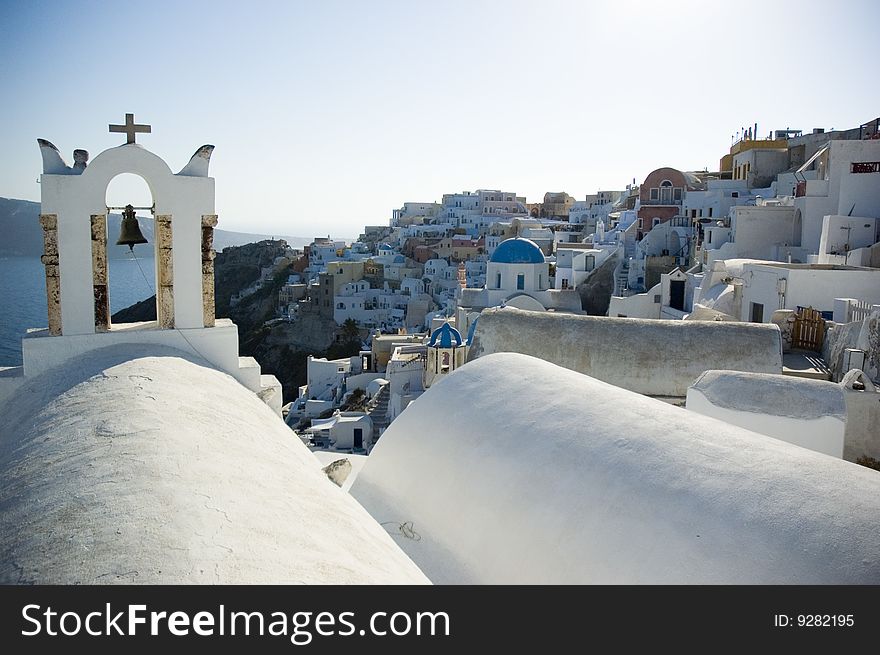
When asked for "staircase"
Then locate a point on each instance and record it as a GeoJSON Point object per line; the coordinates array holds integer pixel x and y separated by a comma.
{"type": "Point", "coordinates": [377, 410]}
{"type": "Point", "coordinates": [621, 278]}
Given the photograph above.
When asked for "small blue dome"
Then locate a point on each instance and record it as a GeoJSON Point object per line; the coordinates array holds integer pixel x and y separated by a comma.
{"type": "Point", "coordinates": [385, 246]}
{"type": "Point", "coordinates": [517, 251]}
{"type": "Point", "coordinates": [400, 259]}
{"type": "Point", "coordinates": [445, 336]}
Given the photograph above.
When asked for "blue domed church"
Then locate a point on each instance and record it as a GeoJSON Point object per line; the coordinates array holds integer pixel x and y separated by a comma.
{"type": "Point", "coordinates": [446, 352]}
{"type": "Point", "coordinates": [517, 275]}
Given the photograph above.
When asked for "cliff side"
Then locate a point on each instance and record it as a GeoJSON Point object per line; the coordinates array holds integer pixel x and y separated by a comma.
{"type": "Point", "coordinates": [281, 347]}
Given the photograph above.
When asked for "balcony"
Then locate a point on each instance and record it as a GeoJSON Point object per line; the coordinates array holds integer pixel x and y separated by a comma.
{"type": "Point", "coordinates": [661, 203]}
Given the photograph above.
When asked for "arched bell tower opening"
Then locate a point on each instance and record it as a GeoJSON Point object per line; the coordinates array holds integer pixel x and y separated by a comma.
{"type": "Point", "coordinates": [131, 270]}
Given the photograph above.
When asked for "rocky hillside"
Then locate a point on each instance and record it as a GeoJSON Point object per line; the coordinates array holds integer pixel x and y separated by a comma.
{"type": "Point", "coordinates": [281, 347]}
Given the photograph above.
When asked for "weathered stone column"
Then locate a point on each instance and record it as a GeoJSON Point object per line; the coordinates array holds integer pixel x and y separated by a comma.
{"type": "Point", "coordinates": [165, 273]}
{"type": "Point", "coordinates": [49, 223]}
{"type": "Point", "coordinates": [209, 221]}
{"type": "Point", "coordinates": [99, 272]}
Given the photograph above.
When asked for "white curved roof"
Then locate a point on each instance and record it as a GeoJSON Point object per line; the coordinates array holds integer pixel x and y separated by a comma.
{"type": "Point", "coordinates": [585, 482]}
{"type": "Point", "coordinates": [776, 395]}
{"type": "Point", "coordinates": [160, 470]}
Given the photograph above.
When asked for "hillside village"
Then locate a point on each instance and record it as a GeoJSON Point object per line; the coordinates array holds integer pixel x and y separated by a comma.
{"type": "Point", "coordinates": [784, 233]}
{"type": "Point", "coordinates": [672, 382]}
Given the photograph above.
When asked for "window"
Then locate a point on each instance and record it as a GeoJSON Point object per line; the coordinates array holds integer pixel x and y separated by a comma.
{"type": "Point", "coordinates": [498, 280]}
{"type": "Point", "coordinates": [656, 298]}
{"type": "Point", "coordinates": [655, 194]}
{"type": "Point", "coordinates": [710, 212]}
{"type": "Point", "coordinates": [709, 238]}
{"type": "Point", "coordinates": [756, 312]}
{"type": "Point", "coordinates": [676, 194]}
{"type": "Point", "coordinates": [520, 282]}
{"type": "Point", "coordinates": [865, 167]}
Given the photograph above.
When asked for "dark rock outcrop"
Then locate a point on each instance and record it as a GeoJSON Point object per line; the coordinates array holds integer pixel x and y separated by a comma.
{"type": "Point", "coordinates": [596, 290]}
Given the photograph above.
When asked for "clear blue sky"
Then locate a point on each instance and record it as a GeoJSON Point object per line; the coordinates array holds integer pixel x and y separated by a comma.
{"type": "Point", "coordinates": [327, 115]}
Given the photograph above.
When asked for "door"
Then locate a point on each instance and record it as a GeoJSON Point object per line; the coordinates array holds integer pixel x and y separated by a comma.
{"type": "Point", "coordinates": [676, 294]}
{"type": "Point", "coordinates": [359, 438]}
{"type": "Point", "coordinates": [808, 331]}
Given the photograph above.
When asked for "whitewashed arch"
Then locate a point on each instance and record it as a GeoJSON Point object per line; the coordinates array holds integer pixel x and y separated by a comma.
{"type": "Point", "coordinates": [75, 198]}
{"type": "Point", "coordinates": [523, 301]}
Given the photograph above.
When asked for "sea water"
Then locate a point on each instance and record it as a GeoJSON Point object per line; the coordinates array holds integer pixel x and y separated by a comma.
{"type": "Point", "coordinates": [23, 296]}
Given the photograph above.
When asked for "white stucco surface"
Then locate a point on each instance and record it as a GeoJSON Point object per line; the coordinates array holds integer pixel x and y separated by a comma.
{"type": "Point", "coordinates": [809, 413]}
{"type": "Point", "coordinates": [653, 357]}
{"type": "Point", "coordinates": [561, 489]}
{"type": "Point", "coordinates": [135, 465]}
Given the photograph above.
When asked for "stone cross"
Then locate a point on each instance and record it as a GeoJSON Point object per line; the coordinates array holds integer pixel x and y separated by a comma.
{"type": "Point", "coordinates": [131, 128]}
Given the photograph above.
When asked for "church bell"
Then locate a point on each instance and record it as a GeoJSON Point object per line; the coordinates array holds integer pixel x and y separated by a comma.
{"type": "Point", "coordinates": [130, 232]}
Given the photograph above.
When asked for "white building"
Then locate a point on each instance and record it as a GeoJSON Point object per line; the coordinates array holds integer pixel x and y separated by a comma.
{"type": "Point", "coordinates": [667, 245]}
{"type": "Point", "coordinates": [475, 211]}
{"type": "Point", "coordinates": [574, 265]}
{"type": "Point", "coordinates": [848, 240]}
{"type": "Point", "coordinates": [769, 286]}
{"type": "Point", "coordinates": [593, 209]}
{"type": "Point", "coordinates": [383, 308]}
{"type": "Point", "coordinates": [751, 290]}
{"type": "Point", "coordinates": [770, 230]}
{"type": "Point", "coordinates": [848, 184]}
{"type": "Point", "coordinates": [414, 213]}
{"type": "Point", "coordinates": [716, 200]}
{"type": "Point", "coordinates": [671, 298]}
{"type": "Point", "coordinates": [322, 251]}
{"type": "Point", "coordinates": [406, 376]}
{"type": "Point", "coordinates": [350, 432]}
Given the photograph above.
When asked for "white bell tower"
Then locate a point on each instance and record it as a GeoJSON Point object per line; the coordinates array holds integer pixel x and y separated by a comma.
{"type": "Point", "coordinates": [73, 216]}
